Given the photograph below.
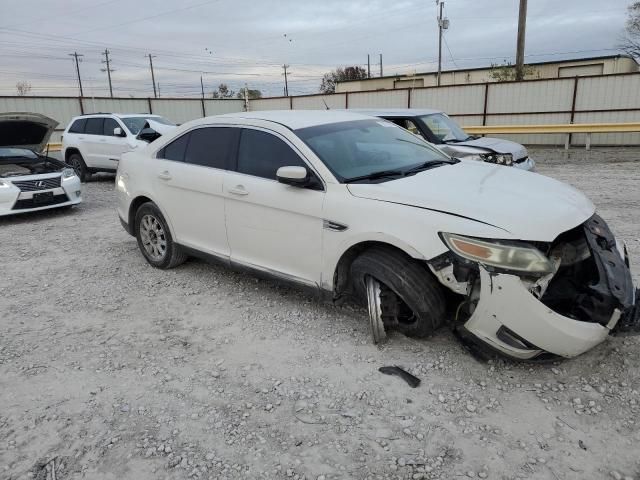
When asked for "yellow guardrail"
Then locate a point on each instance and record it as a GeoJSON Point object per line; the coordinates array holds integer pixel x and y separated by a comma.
{"type": "Point", "coordinates": [53, 147]}
{"type": "Point", "coordinates": [567, 129]}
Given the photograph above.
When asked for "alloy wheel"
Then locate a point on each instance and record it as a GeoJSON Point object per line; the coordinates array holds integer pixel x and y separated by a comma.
{"type": "Point", "coordinates": [153, 238]}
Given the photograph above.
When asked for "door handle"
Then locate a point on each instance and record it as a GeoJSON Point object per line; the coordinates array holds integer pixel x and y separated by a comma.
{"type": "Point", "coordinates": [164, 175]}
{"type": "Point", "coordinates": [238, 190]}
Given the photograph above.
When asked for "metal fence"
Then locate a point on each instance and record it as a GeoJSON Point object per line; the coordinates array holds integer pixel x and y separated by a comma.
{"type": "Point", "coordinates": [589, 99]}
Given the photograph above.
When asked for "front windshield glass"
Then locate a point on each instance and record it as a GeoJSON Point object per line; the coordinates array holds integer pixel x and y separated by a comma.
{"type": "Point", "coordinates": [9, 152]}
{"type": "Point", "coordinates": [365, 147]}
{"type": "Point", "coordinates": [135, 124]}
{"type": "Point", "coordinates": [445, 129]}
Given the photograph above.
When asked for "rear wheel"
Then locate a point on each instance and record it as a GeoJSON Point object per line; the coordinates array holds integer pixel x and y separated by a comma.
{"type": "Point", "coordinates": [400, 293]}
{"type": "Point", "coordinates": [77, 162]}
{"type": "Point", "coordinates": [154, 238]}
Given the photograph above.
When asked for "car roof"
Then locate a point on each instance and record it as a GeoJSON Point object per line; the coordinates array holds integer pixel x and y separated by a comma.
{"type": "Point", "coordinates": [119, 115]}
{"type": "Point", "coordinates": [294, 119]}
{"type": "Point", "coordinates": [397, 112]}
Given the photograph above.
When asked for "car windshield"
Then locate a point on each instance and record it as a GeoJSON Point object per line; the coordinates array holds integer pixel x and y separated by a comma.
{"type": "Point", "coordinates": [356, 149]}
{"type": "Point", "coordinates": [445, 129]}
{"type": "Point", "coordinates": [9, 152]}
{"type": "Point", "coordinates": [135, 124]}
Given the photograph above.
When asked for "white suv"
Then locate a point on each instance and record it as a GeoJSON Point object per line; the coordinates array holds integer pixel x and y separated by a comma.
{"type": "Point", "coordinates": [350, 204]}
{"type": "Point", "coordinates": [94, 143]}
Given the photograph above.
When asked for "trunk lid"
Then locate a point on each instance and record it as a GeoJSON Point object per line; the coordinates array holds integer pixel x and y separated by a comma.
{"type": "Point", "coordinates": [26, 130]}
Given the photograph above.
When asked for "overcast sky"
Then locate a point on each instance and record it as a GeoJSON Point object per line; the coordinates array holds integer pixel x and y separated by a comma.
{"type": "Point", "coordinates": [242, 41]}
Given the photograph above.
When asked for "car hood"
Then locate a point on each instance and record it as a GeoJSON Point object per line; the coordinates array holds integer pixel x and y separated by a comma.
{"type": "Point", "coordinates": [493, 145]}
{"type": "Point", "coordinates": [527, 205]}
{"type": "Point", "coordinates": [26, 130]}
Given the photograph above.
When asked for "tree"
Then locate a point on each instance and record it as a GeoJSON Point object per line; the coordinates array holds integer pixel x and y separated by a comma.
{"type": "Point", "coordinates": [252, 94]}
{"type": "Point", "coordinates": [330, 79]}
{"type": "Point", "coordinates": [631, 42]}
{"type": "Point", "coordinates": [23, 88]}
{"type": "Point", "coordinates": [507, 72]}
{"type": "Point", "coordinates": [223, 92]}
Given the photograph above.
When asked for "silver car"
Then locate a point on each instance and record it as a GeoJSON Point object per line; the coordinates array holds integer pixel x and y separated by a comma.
{"type": "Point", "coordinates": [438, 128]}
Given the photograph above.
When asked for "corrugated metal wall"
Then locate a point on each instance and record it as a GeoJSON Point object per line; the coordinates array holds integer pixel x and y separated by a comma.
{"type": "Point", "coordinates": [607, 98]}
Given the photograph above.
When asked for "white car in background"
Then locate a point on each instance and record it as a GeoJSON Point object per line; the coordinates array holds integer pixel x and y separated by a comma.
{"type": "Point", "coordinates": [94, 143]}
{"type": "Point", "coordinates": [30, 180]}
{"type": "Point", "coordinates": [355, 205]}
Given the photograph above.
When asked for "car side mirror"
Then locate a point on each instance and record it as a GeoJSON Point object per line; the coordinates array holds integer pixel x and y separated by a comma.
{"type": "Point", "coordinates": [118, 132]}
{"type": "Point", "coordinates": [148, 135]}
{"type": "Point", "coordinates": [296, 176]}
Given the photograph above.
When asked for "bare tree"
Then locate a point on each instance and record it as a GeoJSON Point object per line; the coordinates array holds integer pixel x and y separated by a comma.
{"type": "Point", "coordinates": [631, 42]}
{"type": "Point", "coordinates": [507, 72]}
{"type": "Point", "coordinates": [23, 88]}
{"type": "Point", "coordinates": [330, 79]}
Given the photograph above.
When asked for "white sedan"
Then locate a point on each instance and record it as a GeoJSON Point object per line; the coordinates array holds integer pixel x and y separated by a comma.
{"type": "Point", "coordinates": [351, 205]}
{"type": "Point", "coordinates": [30, 180]}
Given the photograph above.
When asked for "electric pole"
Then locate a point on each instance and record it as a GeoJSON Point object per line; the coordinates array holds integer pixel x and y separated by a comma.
{"type": "Point", "coordinates": [108, 70]}
{"type": "Point", "coordinates": [286, 84]}
{"type": "Point", "coordinates": [75, 55]}
{"type": "Point", "coordinates": [522, 24]}
{"type": "Point", "coordinates": [368, 66]}
{"type": "Point", "coordinates": [153, 78]}
{"type": "Point", "coordinates": [202, 87]}
{"type": "Point", "coordinates": [440, 29]}
{"type": "Point", "coordinates": [380, 64]}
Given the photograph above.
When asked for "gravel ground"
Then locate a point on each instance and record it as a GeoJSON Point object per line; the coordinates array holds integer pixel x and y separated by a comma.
{"type": "Point", "coordinates": [110, 369]}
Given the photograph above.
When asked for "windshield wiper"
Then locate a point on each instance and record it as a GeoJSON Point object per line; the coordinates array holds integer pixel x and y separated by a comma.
{"type": "Point", "coordinates": [429, 165]}
{"type": "Point", "coordinates": [376, 175]}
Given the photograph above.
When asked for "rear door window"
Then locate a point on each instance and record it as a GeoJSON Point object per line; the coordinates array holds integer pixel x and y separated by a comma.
{"type": "Point", "coordinates": [94, 126]}
{"type": "Point", "coordinates": [176, 149]}
{"type": "Point", "coordinates": [78, 126]}
{"type": "Point", "coordinates": [261, 154]}
{"type": "Point", "coordinates": [212, 147]}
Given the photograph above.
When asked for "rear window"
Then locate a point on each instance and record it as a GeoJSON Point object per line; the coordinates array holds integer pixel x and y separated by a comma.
{"type": "Point", "coordinates": [212, 146]}
{"type": "Point", "coordinates": [78, 126]}
{"type": "Point", "coordinates": [94, 126]}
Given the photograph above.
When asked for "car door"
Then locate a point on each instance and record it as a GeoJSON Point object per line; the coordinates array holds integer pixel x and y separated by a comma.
{"type": "Point", "coordinates": [112, 146]}
{"type": "Point", "coordinates": [270, 225]}
{"type": "Point", "coordinates": [91, 143]}
{"type": "Point", "coordinates": [189, 174]}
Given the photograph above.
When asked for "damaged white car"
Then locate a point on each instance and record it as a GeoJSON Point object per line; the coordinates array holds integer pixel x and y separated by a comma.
{"type": "Point", "coordinates": [29, 179]}
{"type": "Point", "coordinates": [353, 205]}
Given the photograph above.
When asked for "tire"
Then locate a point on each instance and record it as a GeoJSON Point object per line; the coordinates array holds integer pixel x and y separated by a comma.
{"type": "Point", "coordinates": [77, 163]}
{"type": "Point", "coordinates": [409, 298]}
{"type": "Point", "coordinates": [154, 238]}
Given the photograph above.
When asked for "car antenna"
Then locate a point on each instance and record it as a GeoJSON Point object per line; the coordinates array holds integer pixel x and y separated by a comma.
{"type": "Point", "coordinates": [325, 104]}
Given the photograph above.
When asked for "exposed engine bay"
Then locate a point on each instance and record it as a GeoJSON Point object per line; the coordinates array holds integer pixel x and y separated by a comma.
{"type": "Point", "coordinates": [19, 162]}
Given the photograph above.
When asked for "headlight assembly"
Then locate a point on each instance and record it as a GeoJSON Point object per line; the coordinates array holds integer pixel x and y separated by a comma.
{"type": "Point", "coordinates": [499, 158]}
{"type": "Point", "coordinates": [4, 184]}
{"type": "Point", "coordinates": [521, 259]}
{"type": "Point", "coordinates": [68, 173]}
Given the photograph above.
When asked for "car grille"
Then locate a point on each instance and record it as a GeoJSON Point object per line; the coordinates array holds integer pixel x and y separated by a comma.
{"type": "Point", "coordinates": [35, 185]}
{"type": "Point", "coordinates": [29, 203]}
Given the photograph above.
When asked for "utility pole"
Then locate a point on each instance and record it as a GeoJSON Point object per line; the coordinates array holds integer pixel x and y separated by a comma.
{"type": "Point", "coordinates": [286, 84]}
{"type": "Point", "coordinates": [153, 78]}
{"type": "Point", "coordinates": [75, 55]}
{"type": "Point", "coordinates": [202, 87]}
{"type": "Point", "coordinates": [368, 66]}
{"type": "Point", "coordinates": [522, 24]}
{"type": "Point", "coordinates": [440, 25]}
{"type": "Point", "coordinates": [108, 70]}
{"type": "Point", "coordinates": [380, 64]}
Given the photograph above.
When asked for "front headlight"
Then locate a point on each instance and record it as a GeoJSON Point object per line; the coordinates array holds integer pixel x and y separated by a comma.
{"type": "Point", "coordinates": [4, 184]}
{"type": "Point", "coordinates": [509, 257]}
{"type": "Point", "coordinates": [68, 173]}
{"type": "Point", "coordinates": [499, 158]}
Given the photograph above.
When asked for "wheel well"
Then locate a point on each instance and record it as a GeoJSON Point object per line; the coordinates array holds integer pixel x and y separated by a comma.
{"type": "Point", "coordinates": [133, 208]}
{"type": "Point", "coordinates": [70, 151]}
{"type": "Point", "coordinates": [342, 274]}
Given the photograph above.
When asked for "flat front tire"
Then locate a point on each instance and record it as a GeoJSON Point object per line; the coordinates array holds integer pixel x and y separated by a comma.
{"type": "Point", "coordinates": [401, 293]}
{"type": "Point", "coordinates": [154, 238]}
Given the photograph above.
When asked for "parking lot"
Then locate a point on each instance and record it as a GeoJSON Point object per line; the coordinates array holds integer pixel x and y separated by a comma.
{"type": "Point", "coordinates": [111, 369]}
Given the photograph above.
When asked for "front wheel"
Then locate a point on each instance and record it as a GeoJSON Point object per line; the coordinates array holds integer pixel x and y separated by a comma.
{"type": "Point", "coordinates": [401, 293]}
{"type": "Point", "coordinates": [77, 163]}
{"type": "Point", "coordinates": [154, 238]}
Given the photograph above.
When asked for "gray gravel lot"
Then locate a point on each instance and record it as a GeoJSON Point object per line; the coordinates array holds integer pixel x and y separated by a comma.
{"type": "Point", "coordinates": [110, 369]}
